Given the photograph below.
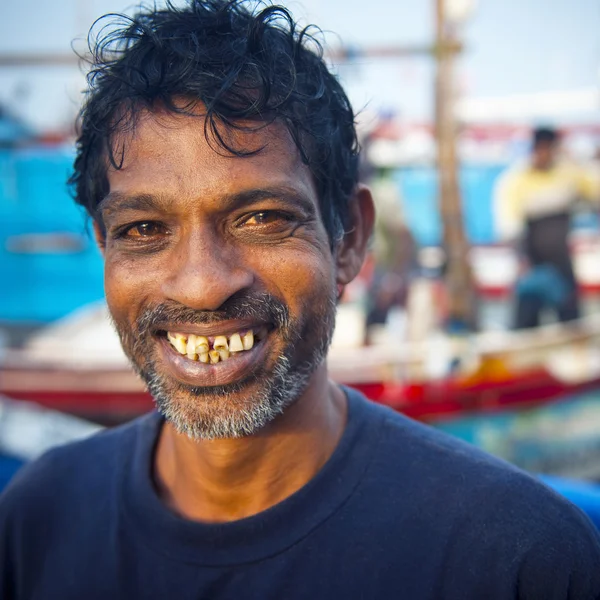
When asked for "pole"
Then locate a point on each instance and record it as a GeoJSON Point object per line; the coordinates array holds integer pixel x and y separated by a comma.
{"type": "Point", "coordinates": [458, 276]}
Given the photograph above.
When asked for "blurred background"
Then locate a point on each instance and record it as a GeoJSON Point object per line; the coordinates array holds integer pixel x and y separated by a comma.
{"type": "Point", "coordinates": [478, 309]}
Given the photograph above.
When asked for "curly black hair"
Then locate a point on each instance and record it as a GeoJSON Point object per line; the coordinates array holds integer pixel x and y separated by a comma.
{"type": "Point", "coordinates": [243, 65]}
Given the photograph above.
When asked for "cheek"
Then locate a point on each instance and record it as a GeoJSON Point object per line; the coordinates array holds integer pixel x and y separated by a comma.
{"type": "Point", "coordinates": [124, 285]}
{"type": "Point", "coordinates": [301, 278]}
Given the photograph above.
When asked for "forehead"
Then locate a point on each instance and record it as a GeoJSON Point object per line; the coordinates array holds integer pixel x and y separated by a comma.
{"type": "Point", "coordinates": [176, 155]}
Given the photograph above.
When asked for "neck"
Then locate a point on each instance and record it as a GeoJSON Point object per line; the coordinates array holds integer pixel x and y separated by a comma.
{"type": "Point", "coordinates": [229, 479]}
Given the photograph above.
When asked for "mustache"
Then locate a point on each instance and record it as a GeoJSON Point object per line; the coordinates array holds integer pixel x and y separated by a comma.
{"type": "Point", "coordinates": [254, 306]}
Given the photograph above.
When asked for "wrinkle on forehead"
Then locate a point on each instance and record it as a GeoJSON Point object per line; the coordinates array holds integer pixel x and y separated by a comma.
{"type": "Point", "coordinates": [248, 137]}
{"type": "Point", "coordinates": [168, 156]}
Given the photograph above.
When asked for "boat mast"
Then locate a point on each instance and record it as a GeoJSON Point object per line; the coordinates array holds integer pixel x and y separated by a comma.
{"type": "Point", "coordinates": [458, 276]}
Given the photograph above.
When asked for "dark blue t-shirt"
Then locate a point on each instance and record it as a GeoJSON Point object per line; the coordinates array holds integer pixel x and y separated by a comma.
{"type": "Point", "coordinates": [400, 511]}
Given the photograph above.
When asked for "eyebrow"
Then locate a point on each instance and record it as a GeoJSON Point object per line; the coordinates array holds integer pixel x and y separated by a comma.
{"type": "Point", "coordinates": [118, 202]}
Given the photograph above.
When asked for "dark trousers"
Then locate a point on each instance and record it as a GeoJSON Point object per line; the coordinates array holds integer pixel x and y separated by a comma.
{"type": "Point", "coordinates": [529, 310]}
{"type": "Point", "coordinates": [545, 243]}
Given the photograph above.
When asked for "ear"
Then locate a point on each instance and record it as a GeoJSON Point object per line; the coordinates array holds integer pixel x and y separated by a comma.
{"type": "Point", "coordinates": [351, 251]}
{"type": "Point", "coordinates": [99, 236]}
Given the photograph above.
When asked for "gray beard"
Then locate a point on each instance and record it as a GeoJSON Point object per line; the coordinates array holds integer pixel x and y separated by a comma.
{"type": "Point", "coordinates": [208, 413]}
{"type": "Point", "coordinates": [221, 416]}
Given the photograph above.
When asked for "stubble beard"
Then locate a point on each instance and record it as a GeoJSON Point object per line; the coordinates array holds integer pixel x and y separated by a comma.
{"type": "Point", "coordinates": [229, 411]}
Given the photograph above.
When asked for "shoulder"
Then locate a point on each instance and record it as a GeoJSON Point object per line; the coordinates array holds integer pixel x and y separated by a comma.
{"type": "Point", "coordinates": [68, 473]}
{"type": "Point", "coordinates": [585, 177]}
{"type": "Point", "coordinates": [479, 507]}
{"type": "Point", "coordinates": [467, 476]}
{"type": "Point", "coordinates": [55, 505]}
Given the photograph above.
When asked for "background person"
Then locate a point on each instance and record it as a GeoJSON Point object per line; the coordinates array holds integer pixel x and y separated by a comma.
{"type": "Point", "coordinates": [533, 205]}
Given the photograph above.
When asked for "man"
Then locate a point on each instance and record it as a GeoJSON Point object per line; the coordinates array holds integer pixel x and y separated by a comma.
{"type": "Point", "coordinates": [534, 203]}
{"type": "Point", "coordinates": [218, 160]}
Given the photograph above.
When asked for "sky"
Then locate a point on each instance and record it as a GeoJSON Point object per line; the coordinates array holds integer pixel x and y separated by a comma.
{"type": "Point", "coordinates": [511, 47]}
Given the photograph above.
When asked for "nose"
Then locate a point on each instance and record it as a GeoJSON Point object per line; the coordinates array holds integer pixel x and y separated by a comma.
{"type": "Point", "coordinates": [204, 272]}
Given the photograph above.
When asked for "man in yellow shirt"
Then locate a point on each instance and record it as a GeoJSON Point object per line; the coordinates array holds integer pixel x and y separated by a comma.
{"type": "Point", "coordinates": [533, 206]}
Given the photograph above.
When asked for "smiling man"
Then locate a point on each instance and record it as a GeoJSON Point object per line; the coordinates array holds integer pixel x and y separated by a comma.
{"type": "Point", "coordinates": [218, 161]}
{"type": "Point", "coordinates": [219, 274]}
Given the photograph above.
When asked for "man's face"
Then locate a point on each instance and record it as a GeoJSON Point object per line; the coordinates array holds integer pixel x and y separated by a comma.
{"type": "Point", "coordinates": [544, 155]}
{"type": "Point", "coordinates": [204, 251]}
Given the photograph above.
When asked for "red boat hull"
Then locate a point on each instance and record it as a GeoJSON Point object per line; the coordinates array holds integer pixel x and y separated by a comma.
{"type": "Point", "coordinates": [427, 401]}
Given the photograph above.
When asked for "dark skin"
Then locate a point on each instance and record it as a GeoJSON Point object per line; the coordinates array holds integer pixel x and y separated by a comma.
{"type": "Point", "coordinates": [544, 155]}
{"type": "Point", "coordinates": [199, 228]}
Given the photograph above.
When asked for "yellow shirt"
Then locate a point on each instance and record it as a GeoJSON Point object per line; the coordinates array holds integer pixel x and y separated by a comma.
{"type": "Point", "coordinates": [523, 193]}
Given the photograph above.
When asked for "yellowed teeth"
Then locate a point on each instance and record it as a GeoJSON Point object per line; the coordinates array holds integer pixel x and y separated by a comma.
{"type": "Point", "coordinates": [197, 347]}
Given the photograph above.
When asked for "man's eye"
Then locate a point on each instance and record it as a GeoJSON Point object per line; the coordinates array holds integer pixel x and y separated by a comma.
{"type": "Point", "coordinates": [267, 217]}
{"type": "Point", "coordinates": [143, 230]}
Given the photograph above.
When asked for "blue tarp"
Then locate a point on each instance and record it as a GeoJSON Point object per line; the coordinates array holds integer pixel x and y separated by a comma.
{"type": "Point", "coordinates": [45, 285]}
{"type": "Point", "coordinates": [419, 197]}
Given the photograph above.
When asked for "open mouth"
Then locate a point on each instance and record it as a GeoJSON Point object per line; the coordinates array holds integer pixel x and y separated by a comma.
{"type": "Point", "coordinates": [213, 349]}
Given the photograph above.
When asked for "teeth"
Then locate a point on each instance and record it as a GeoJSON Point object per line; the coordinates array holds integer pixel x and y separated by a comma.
{"type": "Point", "coordinates": [178, 341]}
{"type": "Point", "coordinates": [201, 344]}
{"type": "Point", "coordinates": [220, 343]}
{"type": "Point", "coordinates": [191, 344]}
{"type": "Point", "coordinates": [197, 347]}
{"type": "Point", "coordinates": [248, 340]}
{"type": "Point", "coordinates": [235, 343]}
{"type": "Point", "coordinates": [191, 347]}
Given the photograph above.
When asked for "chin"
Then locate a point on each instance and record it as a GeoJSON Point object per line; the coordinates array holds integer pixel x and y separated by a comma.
{"type": "Point", "coordinates": [235, 410]}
